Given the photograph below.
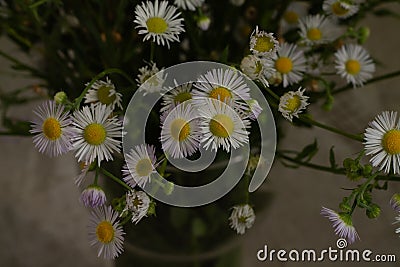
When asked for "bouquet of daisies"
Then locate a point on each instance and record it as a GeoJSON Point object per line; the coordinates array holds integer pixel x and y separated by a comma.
{"type": "Point", "coordinates": [293, 52]}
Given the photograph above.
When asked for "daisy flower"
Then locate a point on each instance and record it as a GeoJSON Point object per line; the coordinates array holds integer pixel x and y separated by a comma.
{"type": "Point", "coordinates": [188, 4]}
{"type": "Point", "coordinates": [225, 85]}
{"type": "Point", "coordinates": [93, 196]}
{"type": "Point", "coordinates": [176, 96]}
{"type": "Point", "coordinates": [293, 13]}
{"type": "Point", "coordinates": [138, 203]}
{"type": "Point", "coordinates": [290, 63]}
{"type": "Point", "coordinates": [342, 224]}
{"type": "Point", "coordinates": [382, 140]}
{"type": "Point", "coordinates": [159, 21]}
{"type": "Point", "coordinates": [257, 68]}
{"type": "Point", "coordinates": [180, 132]}
{"type": "Point", "coordinates": [220, 125]}
{"type": "Point", "coordinates": [340, 9]}
{"type": "Point", "coordinates": [293, 103]}
{"type": "Point", "coordinates": [105, 233]}
{"type": "Point", "coordinates": [242, 218]}
{"type": "Point", "coordinates": [353, 63]}
{"type": "Point", "coordinates": [52, 129]}
{"type": "Point", "coordinates": [317, 29]}
{"type": "Point", "coordinates": [140, 164]}
{"type": "Point", "coordinates": [395, 202]}
{"type": "Point", "coordinates": [96, 133]}
{"type": "Point", "coordinates": [397, 218]}
{"type": "Point", "coordinates": [263, 44]}
{"type": "Point", "coordinates": [150, 79]}
{"type": "Point", "coordinates": [103, 92]}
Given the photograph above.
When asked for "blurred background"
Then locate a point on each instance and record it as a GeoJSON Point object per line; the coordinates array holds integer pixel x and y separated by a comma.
{"type": "Point", "coordinates": [43, 224]}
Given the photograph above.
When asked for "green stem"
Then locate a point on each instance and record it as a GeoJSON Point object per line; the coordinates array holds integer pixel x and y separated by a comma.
{"type": "Point", "coordinates": [21, 65]}
{"type": "Point", "coordinates": [330, 128]}
{"type": "Point", "coordinates": [96, 177]}
{"type": "Point", "coordinates": [272, 93]}
{"type": "Point", "coordinates": [97, 77]}
{"type": "Point", "coordinates": [115, 179]}
{"type": "Point", "coordinates": [376, 79]}
{"type": "Point", "coordinates": [340, 171]}
{"type": "Point", "coordinates": [310, 165]}
{"type": "Point", "coordinates": [152, 51]}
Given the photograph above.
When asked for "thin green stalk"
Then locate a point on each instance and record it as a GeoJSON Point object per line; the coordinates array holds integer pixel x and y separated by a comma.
{"type": "Point", "coordinates": [311, 165]}
{"type": "Point", "coordinates": [97, 77]}
{"type": "Point", "coordinates": [272, 93]}
{"type": "Point", "coordinates": [152, 51]}
{"type": "Point", "coordinates": [21, 65]}
{"type": "Point", "coordinates": [340, 171]}
{"type": "Point", "coordinates": [115, 179]}
{"type": "Point", "coordinates": [330, 128]}
{"type": "Point", "coordinates": [15, 134]}
{"type": "Point", "coordinates": [376, 79]}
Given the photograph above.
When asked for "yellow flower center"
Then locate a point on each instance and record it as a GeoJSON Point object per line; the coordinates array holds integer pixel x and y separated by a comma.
{"type": "Point", "coordinates": [391, 142]}
{"type": "Point", "coordinates": [284, 65]}
{"type": "Point", "coordinates": [264, 44]}
{"type": "Point", "coordinates": [338, 9]}
{"type": "Point", "coordinates": [180, 129]}
{"type": "Point", "coordinates": [94, 134]}
{"type": "Point", "coordinates": [314, 34]}
{"type": "Point", "coordinates": [103, 94]}
{"type": "Point", "coordinates": [51, 128]}
{"type": "Point", "coordinates": [105, 232]}
{"type": "Point", "coordinates": [156, 25]}
{"type": "Point", "coordinates": [136, 202]}
{"type": "Point", "coordinates": [220, 93]}
{"type": "Point", "coordinates": [221, 125]}
{"type": "Point", "coordinates": [182, 97]}
{"type": "Point", "coordinates": [259, 67]}
{"type": "Point", "coordinates": [353, 67]}
{"type": "Point", "coordinates": [292, 104]}
{"type": "Point", "coordinates": [144, 167]}
{"type": "Point", "coordinates": [291, 17]}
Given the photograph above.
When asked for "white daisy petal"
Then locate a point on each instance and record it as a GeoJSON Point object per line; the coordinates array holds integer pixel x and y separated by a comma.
{"type": "Point", "coordinates": [290, 63]}
{"type": "Point", "coordinates": [159, 21]}
{"type": "Point", "coordinates": [292, 103]}
{"type": "Point", "coordinates": [96, 133]}
{"type": "Point", "coordinates": [180, 132]}
{"type": "Point", "coordinates": [52, 129]}
{"type": "Point", "coordinates": [105, 233]}
{"type": "Point", "coordinates": [105, 93]}
{"type": "Point", "coordinates": [342, 224]}
{"type": "Point", "coordinates": [221, 125]}
{"type": "Point", "coordinates": [354, 64]}
{"type": "Point", "coordinates": [382, 141]}
{"type": "Point", "coordinates": [225, 85]}
{"type": "Point", "coordinates": [242, 218]}
{"type": "Point", "coordinates": [188, 4]}
{"type": "Point", "coordinates": [318, 29]}
{"type": "Point", "coordinates": [140, 164]}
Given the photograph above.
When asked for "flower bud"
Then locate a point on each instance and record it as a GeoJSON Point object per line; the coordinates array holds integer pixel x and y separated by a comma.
{"type": "Point", "coordinates": [60, 97]}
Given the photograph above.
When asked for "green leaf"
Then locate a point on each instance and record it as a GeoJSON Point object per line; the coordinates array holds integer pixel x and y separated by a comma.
{"type": "Point", "coordinates": [332, 158]}
{"type": "Point", "coordinates": [224, 55]}
{"type": "Point", "coordinates": [308, 152]}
